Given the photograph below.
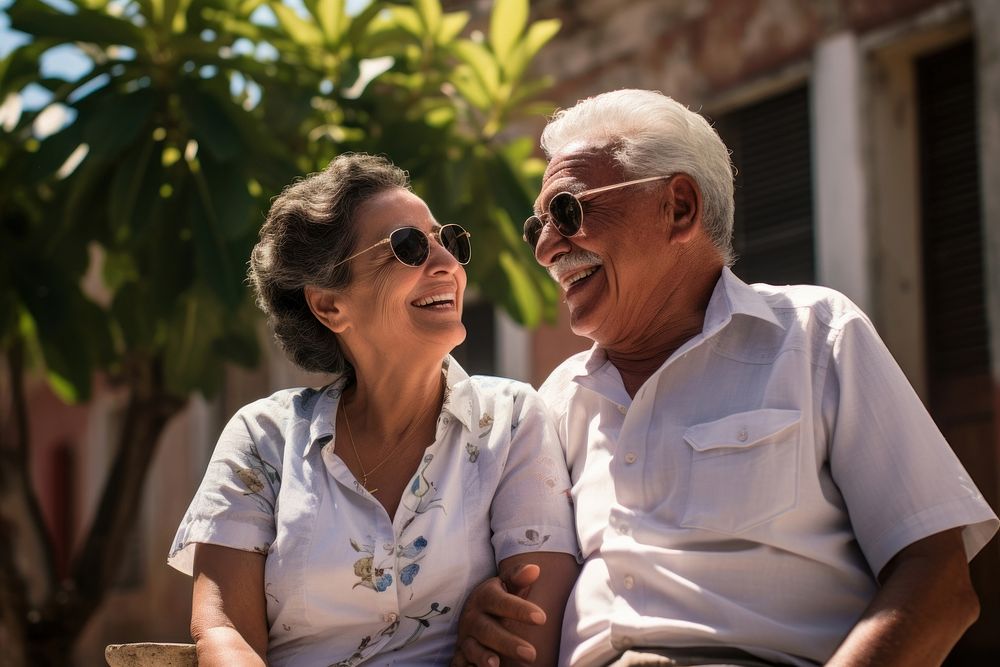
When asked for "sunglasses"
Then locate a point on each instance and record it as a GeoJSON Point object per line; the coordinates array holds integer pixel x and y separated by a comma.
{"type": "Point", "coordinates": [412, 247]}
{"type": "Point", "coordinates": [566, 211]}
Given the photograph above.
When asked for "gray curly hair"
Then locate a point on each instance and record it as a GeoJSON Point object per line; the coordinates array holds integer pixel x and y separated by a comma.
{"type": "Point", "coordinates": [309, 229]}
{"type": "Point", "coordinates": [653, 134]}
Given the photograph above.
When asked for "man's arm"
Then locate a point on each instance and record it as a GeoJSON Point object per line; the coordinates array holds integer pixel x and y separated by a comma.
{"type": "Point", "coordinates": [228, 614]}
{"type": "Point", "coordinates": [549, 591]}
{"type": "Point", "coordinates": [925, 604]}
{"type": "Point", "coordinates": [498, 620]}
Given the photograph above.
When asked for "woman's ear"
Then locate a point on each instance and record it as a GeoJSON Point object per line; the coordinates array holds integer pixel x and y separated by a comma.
{"type": "Point", "coordinates": [327, 308]}
{"type": "Point", "coordinates": [683, 207]}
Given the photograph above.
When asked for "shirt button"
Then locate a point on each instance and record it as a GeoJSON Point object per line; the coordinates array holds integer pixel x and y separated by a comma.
{"type": "Point", "coordinates": [622, 409]}
{"type": "Point", "coordinates": [631, 458]}
{"type": "Point", "coordinates": [742, 435]}
{"type": "Point", "coordinates": [390, 617]}
{"type": "Point", "coordinates": [629, 582]}
{"type": "Point", "coordinates": [624, 529]}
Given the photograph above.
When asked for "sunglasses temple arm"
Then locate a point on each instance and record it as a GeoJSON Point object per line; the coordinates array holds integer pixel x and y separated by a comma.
{"type": "Point", "coordinates": [358, 254]}
{"type": "Point", "coordinates": [620, 185]}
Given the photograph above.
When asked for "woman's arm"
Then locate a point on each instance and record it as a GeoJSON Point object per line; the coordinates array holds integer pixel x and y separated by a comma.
{"type": "Point", "coordinates": [228, 612]}
{"type": "Point", "coordinates": [549, 591]}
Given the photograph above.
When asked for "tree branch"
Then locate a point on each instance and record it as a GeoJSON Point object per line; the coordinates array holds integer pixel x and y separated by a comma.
{"type": "Point", "coordinates": [27, 539]}
{"type": "Point", "coordinates": [96, 567]}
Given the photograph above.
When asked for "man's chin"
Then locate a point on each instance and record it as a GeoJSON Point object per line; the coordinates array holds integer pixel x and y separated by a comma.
{"type": "Point", "coordinates": [583, 323]}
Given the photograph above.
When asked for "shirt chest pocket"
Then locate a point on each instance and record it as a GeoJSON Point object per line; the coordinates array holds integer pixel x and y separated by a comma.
{"type": "Point", "coordinates": [744, 470]}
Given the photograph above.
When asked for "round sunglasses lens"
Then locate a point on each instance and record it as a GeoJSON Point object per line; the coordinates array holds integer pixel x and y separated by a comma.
{"type": "Point", "coordinates": [455, 240]}
{"type": "Point", "coordinates": [566, 212]}
{"type": "Point", "coordinates": [532, 230]}
{"type": "Point", "coordinates": [409, 245]}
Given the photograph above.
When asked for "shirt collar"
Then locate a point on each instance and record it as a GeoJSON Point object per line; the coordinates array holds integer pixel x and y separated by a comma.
{"type": "Point", "coordinates": [324, 413]}
{"type": "Point", "coordinates": [461, 400]}
{"type": "Point", "coordinates": [731, 297]}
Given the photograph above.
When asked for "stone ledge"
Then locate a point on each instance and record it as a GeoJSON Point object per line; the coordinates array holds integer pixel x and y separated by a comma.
{"type": "Point", "coordinates": [151, 654]}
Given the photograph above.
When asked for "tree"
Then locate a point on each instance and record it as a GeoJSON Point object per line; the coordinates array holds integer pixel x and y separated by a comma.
{"type": "Point", "coordinates": [193, 115]}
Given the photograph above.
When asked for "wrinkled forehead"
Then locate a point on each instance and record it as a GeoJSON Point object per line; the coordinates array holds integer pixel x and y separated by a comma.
{"type": "Point", "coordinates": [577, 167]}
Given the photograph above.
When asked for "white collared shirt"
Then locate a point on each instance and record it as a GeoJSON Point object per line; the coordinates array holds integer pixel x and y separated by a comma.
{"type": "Point", "coordinates": [344, 584]}
{"type": "Point", "coordinates": [759, 477]}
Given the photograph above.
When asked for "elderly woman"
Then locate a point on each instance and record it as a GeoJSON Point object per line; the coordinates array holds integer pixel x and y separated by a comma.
{"type": "Point", "coordinates": [346, 525]}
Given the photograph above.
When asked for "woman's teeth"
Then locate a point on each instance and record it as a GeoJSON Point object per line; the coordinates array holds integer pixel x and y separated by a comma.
{"type": "Point", "coordinates": [434, 299]}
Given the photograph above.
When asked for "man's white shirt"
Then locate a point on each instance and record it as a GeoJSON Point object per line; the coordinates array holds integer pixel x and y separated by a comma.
{"type": "Point", "coordinates": [759, 479]}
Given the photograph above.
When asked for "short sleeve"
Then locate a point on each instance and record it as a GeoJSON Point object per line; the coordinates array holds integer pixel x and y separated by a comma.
{"type": "Point", "coordinates": [234, 505]}
{"type": "Point", "coordinates": [900, 479]}
{"type": "Point", "coordinates": [532, 507]}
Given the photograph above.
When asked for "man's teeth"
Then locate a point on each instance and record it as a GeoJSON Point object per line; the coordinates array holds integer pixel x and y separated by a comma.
{"type": "Point", "coordinates": [579, 276]}
{"type": "Point", "coordinates": [436, 298]}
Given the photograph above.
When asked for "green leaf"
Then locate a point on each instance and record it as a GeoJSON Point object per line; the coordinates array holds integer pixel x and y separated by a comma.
{"type": "Point", "coordinates": [523, 301]}
{"type": "Point", "coordinates": [119, 269]}
{"type": "Point", "coordinates": [525, 50]}
{"type": "Point", "coordinates": [217, 266]}
{"type": "Point", "coordinates": [56, 148]}
{"type": "Point", "coordinates": [300, 30]}
{"type": "Point", "coordinates": [21, 66]}
{"type": "Point", "coordinates": [452, 25]}
{"type": "Point", "coordinates": [136, 179]}
{"type": "Point", "coordinates": [190, 361]}
{"type": "Point", "coordinates": [361, 26]}
{"type": "Point", "coordinates": [331, 17]}
{"type": "Point", "coordinates": [430, 15]}
{"type": "Point", "coordinates": [210, 124]}
{"type": "Point", "coordinates": [134, 312]}
{"type": "Point", "coordinates": [408, 19]}
{"type": "Point", "coordinates": [85, 25]}
{"type": "Point", "coordinates": [483, 64]}
{"type": "Point", "coordinates": [507, 22]}
{"type": "Point", "coordinates": [113, 121]}
{"type": "Point", "coordinates": [231, 199]}
{"type": "Point", "coordinates": [70, 329]}
{"type": "Point", "coordinates": [238, 342]}
{"type": "Point", "coordinates": [471, 88]}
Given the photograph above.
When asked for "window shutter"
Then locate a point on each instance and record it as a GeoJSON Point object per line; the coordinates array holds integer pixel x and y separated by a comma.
{"type": "Point", "coordinates": [773, 233]}
{"type": "Point", "coordinates": [957, 340]}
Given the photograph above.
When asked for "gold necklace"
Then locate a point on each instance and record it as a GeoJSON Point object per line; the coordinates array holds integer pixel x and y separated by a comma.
{"type": "Point", "coordinates": [365, 474]}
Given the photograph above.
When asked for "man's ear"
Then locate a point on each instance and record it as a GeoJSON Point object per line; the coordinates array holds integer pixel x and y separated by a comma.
{"type": "Point", "coordinates": [327, 308]}
{"type": "Point", "coordinates": [683, 208]}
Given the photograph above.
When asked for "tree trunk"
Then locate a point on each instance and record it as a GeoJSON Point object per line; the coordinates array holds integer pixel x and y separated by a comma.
{"type": "Point", "coordinates": [41, 632]}
{"type": "Point", "coordinates": [27, 573]}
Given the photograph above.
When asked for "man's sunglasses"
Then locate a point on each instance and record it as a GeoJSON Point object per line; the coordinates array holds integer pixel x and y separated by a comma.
{"type": "Point", "coordinates": [566, 211]}
{"type": "Point", "coordinates": [412, 247]}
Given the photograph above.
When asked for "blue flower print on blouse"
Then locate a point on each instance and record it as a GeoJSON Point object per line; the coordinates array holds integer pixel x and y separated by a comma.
{"type": "Point", "coordinates": [375, 578]}
{"type": "Point", "coordinates": [414, 551]}
{"type": "Point", "coordinates": [407, 574]}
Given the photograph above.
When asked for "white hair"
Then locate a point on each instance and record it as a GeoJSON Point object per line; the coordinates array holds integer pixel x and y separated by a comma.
{"type": "Point", "coordinates": [652, 134]}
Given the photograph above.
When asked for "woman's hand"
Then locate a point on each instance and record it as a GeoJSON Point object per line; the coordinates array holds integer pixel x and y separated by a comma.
{"type": "Point", "coordinates": [228, 611]}
{"type": "Point", "coordinates": [517, 617]}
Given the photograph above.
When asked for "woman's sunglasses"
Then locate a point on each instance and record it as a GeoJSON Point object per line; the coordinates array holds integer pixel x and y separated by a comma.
{"type": "Point", "coordinates": [412, 247]}
{"type": "Point", "coordinates": [566, 211]}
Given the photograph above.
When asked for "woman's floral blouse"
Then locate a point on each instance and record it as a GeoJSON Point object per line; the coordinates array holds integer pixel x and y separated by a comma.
{"type": "Point", "coordinates": [345, 585]}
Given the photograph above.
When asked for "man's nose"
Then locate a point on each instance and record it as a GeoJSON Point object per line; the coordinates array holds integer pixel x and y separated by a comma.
{"type": "Point", "coordinates": [551, 244]}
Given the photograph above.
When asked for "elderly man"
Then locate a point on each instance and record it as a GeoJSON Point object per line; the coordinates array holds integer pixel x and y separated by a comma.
{"type": "Point", "coordinates": [755, 481]}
